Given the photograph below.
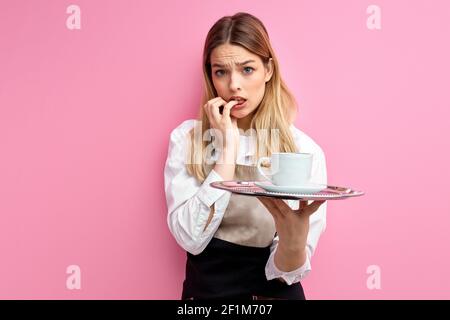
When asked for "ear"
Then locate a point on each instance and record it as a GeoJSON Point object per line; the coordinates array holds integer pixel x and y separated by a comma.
{"type": "Point", "coordinates": [269, 70]}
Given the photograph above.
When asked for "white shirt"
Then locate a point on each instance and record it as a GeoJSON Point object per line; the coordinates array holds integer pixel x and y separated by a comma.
{"type": "Point", "coordinates": [189, 202]}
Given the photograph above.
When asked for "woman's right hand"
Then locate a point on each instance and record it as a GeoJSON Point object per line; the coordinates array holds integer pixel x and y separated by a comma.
{"type": "Point", "coordinates": [228, 132]}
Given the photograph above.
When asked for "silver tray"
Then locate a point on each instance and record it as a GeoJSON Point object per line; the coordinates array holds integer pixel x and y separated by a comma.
{"type": "Point", "coordinates": [250, 189]}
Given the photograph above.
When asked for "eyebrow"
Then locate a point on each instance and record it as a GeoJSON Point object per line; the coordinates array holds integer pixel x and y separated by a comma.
{"type": "Point", "coordinates": [238, 63]}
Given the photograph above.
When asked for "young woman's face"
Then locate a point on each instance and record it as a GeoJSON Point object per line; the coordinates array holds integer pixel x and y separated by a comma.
{"type": "Point", "coordinates": [233, 78]}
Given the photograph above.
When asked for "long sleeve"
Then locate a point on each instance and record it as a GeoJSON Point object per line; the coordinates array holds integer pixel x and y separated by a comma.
{"type": "Point", "coordinates": [316, 228]}
{"type": "Point", "coordinates": [189, 202]}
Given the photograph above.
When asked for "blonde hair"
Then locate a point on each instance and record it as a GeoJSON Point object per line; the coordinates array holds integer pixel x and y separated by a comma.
{"type": "Point", "coordinates": [278, 107]}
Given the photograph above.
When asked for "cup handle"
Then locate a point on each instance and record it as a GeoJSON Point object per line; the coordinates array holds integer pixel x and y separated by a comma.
{"type": "Point", "coordinates": [258, 166]}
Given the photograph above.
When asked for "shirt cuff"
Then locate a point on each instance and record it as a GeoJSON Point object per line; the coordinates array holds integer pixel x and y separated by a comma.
{"type": "Point", "coordinates": [272, 272]}
{"type": "Point", "coordinates": [207, 194]}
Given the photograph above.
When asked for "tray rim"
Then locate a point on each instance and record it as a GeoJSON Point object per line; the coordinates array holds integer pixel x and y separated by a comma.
{"type": "Point", "coordinates": [292, 196]}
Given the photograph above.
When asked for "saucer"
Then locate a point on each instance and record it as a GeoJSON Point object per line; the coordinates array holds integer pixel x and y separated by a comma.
{"type": "Point", "coordinates": [305, 188]}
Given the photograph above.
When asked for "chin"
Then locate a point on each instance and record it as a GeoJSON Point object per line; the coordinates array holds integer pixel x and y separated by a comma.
{"type": "Point", "coordinates": [239, 113]}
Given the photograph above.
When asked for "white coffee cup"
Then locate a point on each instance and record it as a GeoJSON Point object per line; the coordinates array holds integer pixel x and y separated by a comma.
{"type": "Point", "coordinates": [288, 168]}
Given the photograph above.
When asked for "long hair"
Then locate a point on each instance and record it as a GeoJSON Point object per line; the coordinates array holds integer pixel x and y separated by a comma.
{"type": "Point", "coordinates": [277, 109]}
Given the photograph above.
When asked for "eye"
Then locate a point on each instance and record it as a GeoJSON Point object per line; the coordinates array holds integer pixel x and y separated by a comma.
{"type": "Point", "coordinates": [217, 73]}
{"type": "Point", "coordinates": [251, 70]}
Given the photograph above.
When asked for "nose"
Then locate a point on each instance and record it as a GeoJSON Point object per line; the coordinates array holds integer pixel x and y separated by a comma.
{"type": "Point", "coordinates": [235, 82]}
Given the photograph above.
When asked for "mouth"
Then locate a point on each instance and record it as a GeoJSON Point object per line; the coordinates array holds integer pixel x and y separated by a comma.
{"type": "Point", "coordinates": [241, 102]}
{"type": "Point", "coordinates": [240, 105]}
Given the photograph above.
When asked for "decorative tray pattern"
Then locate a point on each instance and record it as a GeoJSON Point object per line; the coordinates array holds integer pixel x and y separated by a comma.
{"type": "Point", "coordinates": [250, 189]}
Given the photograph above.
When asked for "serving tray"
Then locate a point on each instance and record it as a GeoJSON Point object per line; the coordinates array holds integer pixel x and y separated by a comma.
{"type": "Point", "coordinates": [250, 189]}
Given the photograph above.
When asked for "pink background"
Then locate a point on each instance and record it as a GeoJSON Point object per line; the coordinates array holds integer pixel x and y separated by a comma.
{"type": "Point", "coordinates": [85, 117]}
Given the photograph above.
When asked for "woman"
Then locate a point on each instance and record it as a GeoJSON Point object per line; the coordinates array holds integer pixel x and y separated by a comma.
{"type": "Point", "coordinates": [240, 246]}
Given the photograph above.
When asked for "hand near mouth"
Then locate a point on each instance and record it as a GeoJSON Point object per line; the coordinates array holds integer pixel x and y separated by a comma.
{"type": "Point", "coordinates": [224, 125]}
{"type": "Point", "coordinates": [221, 109]}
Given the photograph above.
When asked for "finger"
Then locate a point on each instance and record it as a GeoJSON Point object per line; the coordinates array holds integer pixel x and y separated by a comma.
{"type": "Point", "coordinates": [212, 101]}
{"type": "Point", "coordinates": [214, 109]}
{"type": "Point", "coordinates": [303, 203]}
{"type": "Point", "coordinates": [275, 201]}
{"type": "Point", "coordinates": [282, 205]}
{"type": "Point", "coordinates": [215, 99]}
{"type": "Point", "coordinates": [227, 108]}
{"type": "Point", "coordinates": [207, 105]}
{"type": "Point", "coordinates": [266, 201]}
{"type": "Point", "coordinates": [218, 105]}
{"type": "Point", "coordinates": [313, 207]}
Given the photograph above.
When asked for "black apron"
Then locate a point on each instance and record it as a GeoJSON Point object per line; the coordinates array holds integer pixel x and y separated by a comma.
{"type": "Point", "coordinates": [233, 263]}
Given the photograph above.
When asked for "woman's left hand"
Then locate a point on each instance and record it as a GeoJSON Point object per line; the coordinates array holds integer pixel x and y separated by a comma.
{"type": "Point", "coordinates": [292, 225]}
